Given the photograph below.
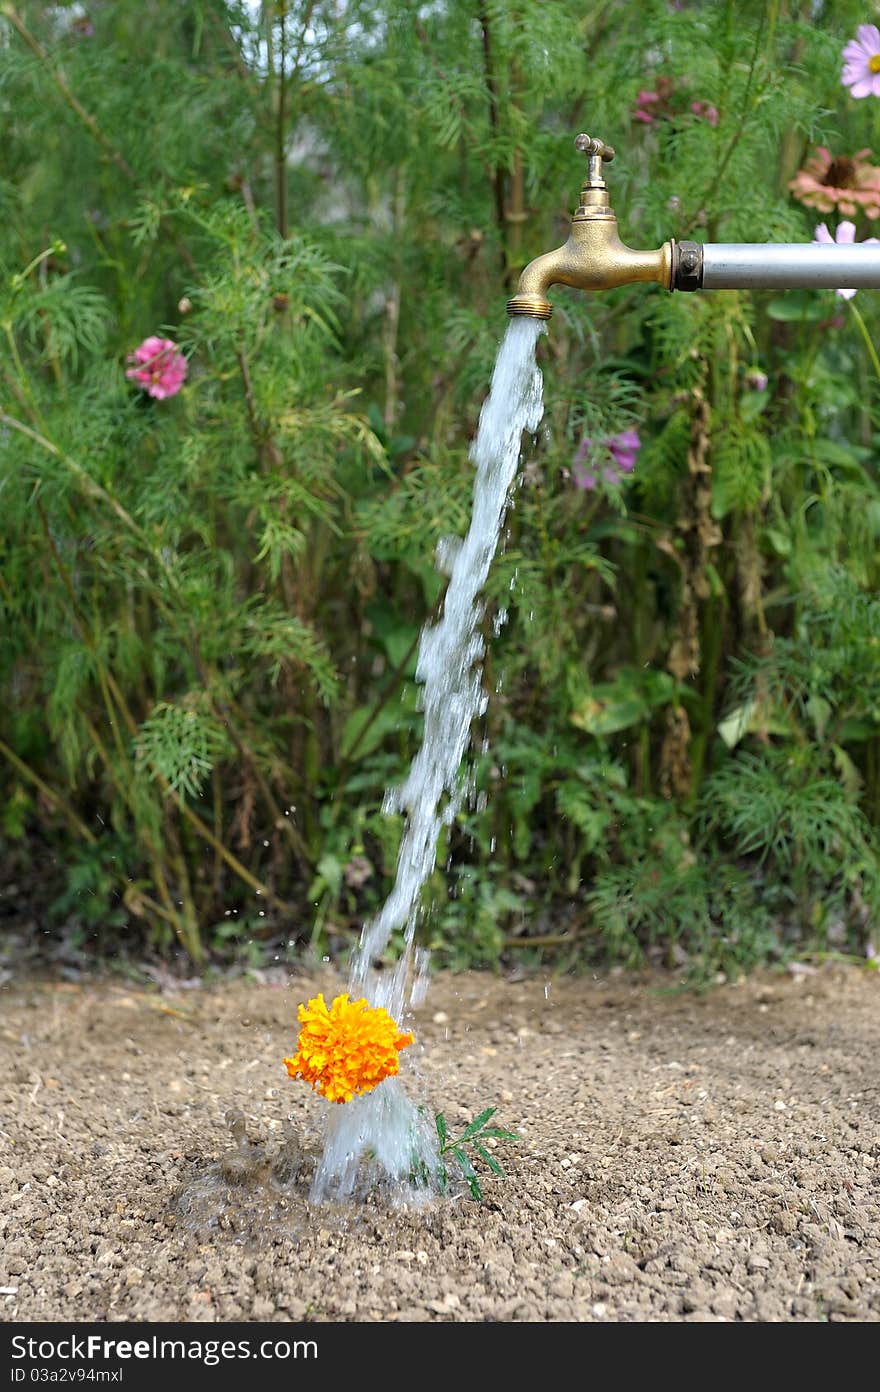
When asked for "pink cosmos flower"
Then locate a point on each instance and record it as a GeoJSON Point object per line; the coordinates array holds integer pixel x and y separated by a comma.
{"type": "Point", "coordinates": [623, 449]}
{"type": "Point", "coordinates": [666, 101]}
{"type": "Point", "coordinates": [861, 62]}
{"type": "Point", "coordinates": [846, 183]}
{"type": "Point", "coordinates": [158, 367]}
{"type": "Point", "coordinates": [706, 111]}
{"type": "Point", "coordinates": [656, 103]}
{"type": "Point", "coordinates": [644, 102]}
{"type": "Point", "coordinates": [845, 235]}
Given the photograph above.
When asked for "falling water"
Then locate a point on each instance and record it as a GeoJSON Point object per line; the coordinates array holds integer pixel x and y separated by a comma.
{"type": "Point", "coordinates": [385, 1126]}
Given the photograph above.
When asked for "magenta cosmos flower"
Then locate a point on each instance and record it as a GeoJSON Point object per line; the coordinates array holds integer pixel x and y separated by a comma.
{"type": "Point", "coordinates": [844, 235]}
{"type": "Point", "coordinates": [861, 62]}
{"type": "Point", "coordinates": [158, 367]}
{"type": "Point", "coordinates": [623, 449]}
{"type": "Point", "coordinates": [655, 104]}
{"type": "Point", "coordinates": [666, 101]}
{"type": "Point", "coordinates": [706, 111]}
{"type": "Point", "coordinates": [846, 183]}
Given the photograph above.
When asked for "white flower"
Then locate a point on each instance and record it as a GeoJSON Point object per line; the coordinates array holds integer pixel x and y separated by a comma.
{"type": "Point", "coordinates": [844, 235]}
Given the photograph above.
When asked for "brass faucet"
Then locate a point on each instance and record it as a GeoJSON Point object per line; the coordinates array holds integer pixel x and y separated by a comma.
{"type": "Point", "coordinates": [594, 257]}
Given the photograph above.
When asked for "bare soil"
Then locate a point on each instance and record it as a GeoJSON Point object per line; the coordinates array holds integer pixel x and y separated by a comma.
{"type": "Point", "coordinates": [683, 1156]}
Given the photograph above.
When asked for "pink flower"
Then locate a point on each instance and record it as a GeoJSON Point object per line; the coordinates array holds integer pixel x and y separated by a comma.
{"type": "Point", "coordinates": [655, 104]}
{"type": "Point", "coordinates": [756, 380]}
{"type": "Point", "coordinates": [667, 100]}
{"type": "Point", "coordinates": [705, 111]}
{"type": "Point", "coordinates": [159, 368]}
{"type": "Point", "coordinates": [623, 449]}
{"type": "Point", "coordinates": [843, 182]}
{"type": "Point", "coordinates": [844, 236]}
{"type": "Point", "coordinates": [583, 478]}
{"type": "Point", "coordinates": [861, 62]}
{"type": "Point", "coordinates": [644, 101]}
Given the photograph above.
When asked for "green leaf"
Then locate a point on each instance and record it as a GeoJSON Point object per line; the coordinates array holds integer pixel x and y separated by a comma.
{"type": "Point", "coordinates": [752, 404]}
{"type": "Point", "coordinates": [496, 1133]}
{"type": "Point", "coordinates": [716, 584]}
{"type": "Point", "coordinates": [578, 804]}
{"type": "Point", "coordinates": [613, 706]}
{"type": "Point", "coordinates": [820, 712]}
{"type": "Point", "coordinates": [736, 724]}
{"type": "Point", "coordinates": [180, 745]}
{"type": "Point", "coordinates": [467, 1168]}
{"type": "Point", "coordinates": [442, 1131]}
{"type": "Point", "coordinates": [477, 1124]}
{"type": "Point", "coordinates": [604, 715]}
{"type": "Point", "coordinates": [796, 306]}
{"type": "Point", "coordinates": [469, 1173]}
{"type": "Point", "coordinates": [849, 774]}
{"type": "Point", "coordinates": [753, 717]}
{"type": "Point", "coordinates": [329, 877]}
{"type": "Point", "coordinates": [780, 542]}
{"type": "Point", "coordinates": [844, 456]}
{"type": "Point", "coordinates": [367, 726]}
{"type": "Point", "coordinates": [489, 1159]}
{"type": "Point", "coordinates": [855, 729]}
{"type": "Point", "coordinates": [396, 636]}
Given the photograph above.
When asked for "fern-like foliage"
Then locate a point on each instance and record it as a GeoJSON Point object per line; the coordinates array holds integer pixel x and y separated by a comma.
{"type": "Point", "coordinates": [211, 602]}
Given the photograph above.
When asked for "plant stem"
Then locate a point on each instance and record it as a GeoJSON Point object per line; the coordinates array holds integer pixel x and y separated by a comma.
{"type": "Point", "coordinates": [48, 793]}
{"type": "Point", "coordinates": [863, 330]}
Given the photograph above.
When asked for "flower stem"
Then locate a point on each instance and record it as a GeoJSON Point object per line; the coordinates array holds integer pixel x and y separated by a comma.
{"type": "Point", "coordinates": [869, 343]}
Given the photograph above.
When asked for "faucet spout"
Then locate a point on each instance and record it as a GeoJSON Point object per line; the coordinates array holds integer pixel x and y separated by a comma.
{"type": "Point", "coordinates": [593, 258]}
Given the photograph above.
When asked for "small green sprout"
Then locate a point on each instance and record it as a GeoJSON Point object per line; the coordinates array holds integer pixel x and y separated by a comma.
{"type": "Point", "coordinates": [475, 1135]}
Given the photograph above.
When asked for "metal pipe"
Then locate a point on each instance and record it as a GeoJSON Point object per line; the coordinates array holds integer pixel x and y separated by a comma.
{"type": "Point", "coordinates": [789, 266]}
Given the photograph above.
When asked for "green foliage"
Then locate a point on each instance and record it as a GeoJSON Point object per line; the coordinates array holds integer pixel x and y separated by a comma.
{"type": "Point", "coordinates": [678, 909]}
{"type": "Point", "coordinates": [211, 602]}
{"type": "Point", "coordinates": [180, 747]}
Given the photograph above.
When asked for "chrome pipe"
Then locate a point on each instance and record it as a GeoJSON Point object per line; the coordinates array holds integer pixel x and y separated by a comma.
{"type": "Point", "coordinates": [790, 266]}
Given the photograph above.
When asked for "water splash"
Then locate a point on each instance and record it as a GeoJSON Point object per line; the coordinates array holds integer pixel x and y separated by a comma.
{"type": "Point", "coordinates": [385, 1127]}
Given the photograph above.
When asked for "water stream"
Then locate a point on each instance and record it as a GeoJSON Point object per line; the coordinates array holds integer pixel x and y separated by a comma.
{"type": "Point", "coordinates": [384, 1133]}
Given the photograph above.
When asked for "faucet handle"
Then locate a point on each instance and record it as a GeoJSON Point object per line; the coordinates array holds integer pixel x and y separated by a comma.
{"type": "Point", "coordinates": [590, 146]}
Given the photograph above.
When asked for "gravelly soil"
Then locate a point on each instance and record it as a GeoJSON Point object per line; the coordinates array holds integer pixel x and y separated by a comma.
{"type": "Point", "coordinates": [683, 1157]}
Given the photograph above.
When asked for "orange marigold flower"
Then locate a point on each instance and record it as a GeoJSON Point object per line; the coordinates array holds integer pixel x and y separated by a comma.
{"type": "Point", "coordinates": [347, 1049]}
{"type": "Point", "coordinates": [845, 182]}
